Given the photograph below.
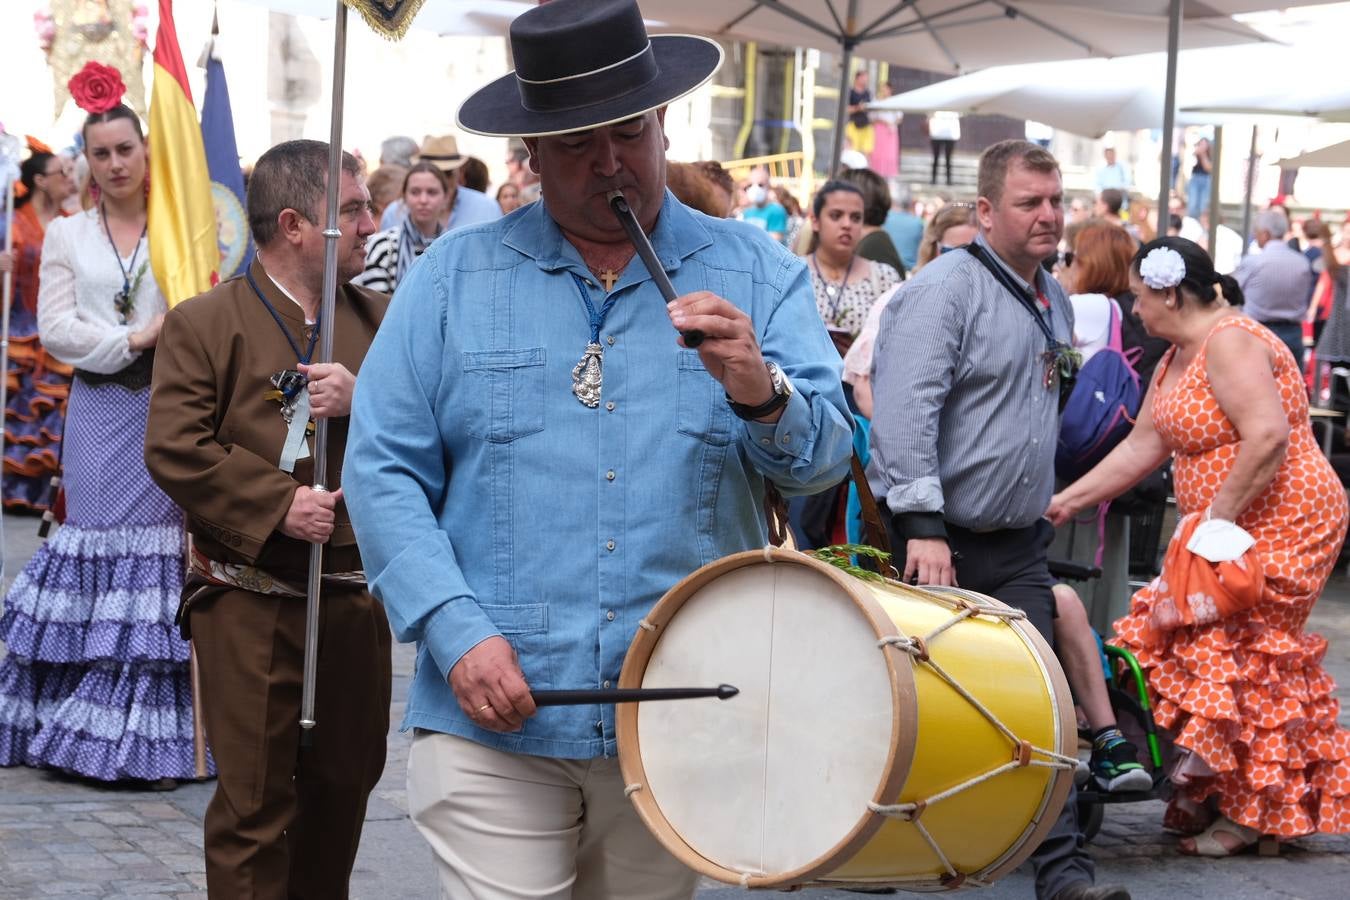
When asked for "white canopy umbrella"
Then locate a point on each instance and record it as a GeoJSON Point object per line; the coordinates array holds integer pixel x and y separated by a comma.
{"type": "Point", "coordinates": [1093, 96]}
{"type": "Point", "coordinates": [1337, 156]}
{"type": "Point", "coordinates": [1322, 101]}
{"type": "Point", "coordinates": [957, 35]}
{"type": "Point", "coordinates": [1085, 96]}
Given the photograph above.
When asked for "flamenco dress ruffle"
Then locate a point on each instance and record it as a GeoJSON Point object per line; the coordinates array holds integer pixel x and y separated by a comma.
{"type": "Point", "coordinates": [38, 389]}
{"type": "Point", "coordinates": [96, 679]}
{"type": "Point", "coordinates": [1253, 702]}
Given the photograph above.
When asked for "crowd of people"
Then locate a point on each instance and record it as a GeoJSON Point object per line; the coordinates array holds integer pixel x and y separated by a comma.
{"type": "Point", "coordinates": [939, 341]}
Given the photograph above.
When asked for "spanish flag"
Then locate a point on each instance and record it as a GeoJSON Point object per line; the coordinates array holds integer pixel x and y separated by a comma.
{"type": "Point", "coordinates": [184, 251]}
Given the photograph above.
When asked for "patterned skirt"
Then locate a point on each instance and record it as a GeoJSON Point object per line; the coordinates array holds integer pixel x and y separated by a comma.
{"type": "Point", "coordinates": [96, 678]}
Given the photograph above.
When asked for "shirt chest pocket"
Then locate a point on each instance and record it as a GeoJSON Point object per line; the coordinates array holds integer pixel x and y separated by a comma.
{"type": "Point", "coordinates": [703, 409]}
{"type": "Point", "coordinates": [504, 393]}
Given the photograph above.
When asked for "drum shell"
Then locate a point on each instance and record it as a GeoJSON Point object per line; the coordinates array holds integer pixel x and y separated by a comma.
{"type": "Point", "coordinates": [936, 740]}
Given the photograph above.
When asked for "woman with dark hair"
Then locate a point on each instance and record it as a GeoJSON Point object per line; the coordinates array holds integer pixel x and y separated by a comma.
{"type": "Point", "coordinates": [845, 284]}
{"type": "Point", "coordinates": [96, 678]}
{"type": "Point", "coordinates": [1333, 344]}
{"type": "Point", "coordinates": [41, 383]}
{"type": "Point", "coordinates": [391, 253]}
{"type": "Point", "coordinates": [474, 175]}
{"type": "Point", "coordinates": [508, 197]}
{"type": "Point", "coordinates": [876, 243]}
{"type": "Point", "coordinates": [1243, 694]}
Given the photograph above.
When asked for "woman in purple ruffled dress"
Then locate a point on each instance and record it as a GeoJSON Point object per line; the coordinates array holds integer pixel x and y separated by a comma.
{"type": "Point", "coordinates": [96, 679]}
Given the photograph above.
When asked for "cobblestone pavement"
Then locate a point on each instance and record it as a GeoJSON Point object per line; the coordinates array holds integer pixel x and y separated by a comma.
{"type": "Point", "coordinates": [61, 837]}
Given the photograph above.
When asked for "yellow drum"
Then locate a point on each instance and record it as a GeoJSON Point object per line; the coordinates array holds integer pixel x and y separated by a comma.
{"type": "Point", "coordinates": [883, 734]}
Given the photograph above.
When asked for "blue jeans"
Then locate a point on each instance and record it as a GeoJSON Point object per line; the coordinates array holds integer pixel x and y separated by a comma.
{"type": "Point", "coordinates": [1292, 335]}
{"type": "Point", "coordinates": [1197, 194]}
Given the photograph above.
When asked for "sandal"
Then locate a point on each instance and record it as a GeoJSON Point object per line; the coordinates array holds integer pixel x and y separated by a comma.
{"type": "Point", "coordinates": [1207, 843]}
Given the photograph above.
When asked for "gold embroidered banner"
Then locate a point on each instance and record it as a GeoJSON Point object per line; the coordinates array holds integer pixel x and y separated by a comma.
{"type": "Point", "coordinates": [390, 18]}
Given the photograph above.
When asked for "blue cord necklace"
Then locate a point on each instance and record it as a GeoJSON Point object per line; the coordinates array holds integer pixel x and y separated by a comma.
{"type": "Point", "coordinates": [588, 374]}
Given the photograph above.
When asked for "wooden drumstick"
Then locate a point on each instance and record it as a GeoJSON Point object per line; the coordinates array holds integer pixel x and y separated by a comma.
{"type": "Point", "coordinates": [629, 695]}
{"type": "Point", "coordinates": [630, 224]}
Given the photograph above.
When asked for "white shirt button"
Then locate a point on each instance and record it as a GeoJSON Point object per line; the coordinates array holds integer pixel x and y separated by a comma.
{"type": "Point", "coordinates": [605, 684]}
{"type": "Point", "coordinates": [609, 545]}
{"type": "Point", "coordinates": [610, 340]}
{"type": "Point", "coordinates": [610, 615]}
{"type": "Point", "coordinates": [610, 476]}
{"type": "Point", "coordinates": [610, 406]}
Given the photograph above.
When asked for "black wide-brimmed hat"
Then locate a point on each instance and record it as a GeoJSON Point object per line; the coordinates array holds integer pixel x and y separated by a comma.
{"type": "Point", "coordinates": [581, 64]}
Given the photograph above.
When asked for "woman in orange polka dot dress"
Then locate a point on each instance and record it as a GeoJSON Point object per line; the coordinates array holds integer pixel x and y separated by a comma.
{"type": "Point", "coordinates": [1244, 697]}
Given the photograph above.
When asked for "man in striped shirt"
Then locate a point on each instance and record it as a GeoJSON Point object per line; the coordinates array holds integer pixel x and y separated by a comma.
{"type": "Point", "coordinates": [966, 394]}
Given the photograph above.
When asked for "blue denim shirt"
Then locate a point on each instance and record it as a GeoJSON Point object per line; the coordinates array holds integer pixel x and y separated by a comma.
{"type": "Point", "coordinates": [488, 500]}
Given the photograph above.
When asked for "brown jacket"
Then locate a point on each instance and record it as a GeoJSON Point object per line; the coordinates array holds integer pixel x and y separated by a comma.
{"type": "Point", "coordinates": [213, 441]}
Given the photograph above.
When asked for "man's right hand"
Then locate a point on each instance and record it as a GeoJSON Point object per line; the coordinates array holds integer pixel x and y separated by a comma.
{"type": "Point", "coordinates": [311, 515]}
{"type": "Point", "coordinates": [491, 688]}
{"type": "Point", "coordinates": [930, 559]}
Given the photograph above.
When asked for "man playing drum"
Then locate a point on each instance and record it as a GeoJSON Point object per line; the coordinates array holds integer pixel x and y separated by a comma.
{"type": "Point", "coordinates": [536, 456]}
{"type": "Point", "coordinates": [967, 380]}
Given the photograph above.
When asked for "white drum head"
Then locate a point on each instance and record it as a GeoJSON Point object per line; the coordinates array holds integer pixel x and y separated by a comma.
{"type": "Point", "coordinates": [774, 779]}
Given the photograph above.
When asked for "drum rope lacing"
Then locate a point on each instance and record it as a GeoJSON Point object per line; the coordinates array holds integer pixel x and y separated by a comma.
{"type": "Point", "coordinates": [917, 647]}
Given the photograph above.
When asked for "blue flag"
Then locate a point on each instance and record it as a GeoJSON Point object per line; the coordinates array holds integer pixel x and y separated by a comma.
{"type": "Point", "coordinates": [227, 181]}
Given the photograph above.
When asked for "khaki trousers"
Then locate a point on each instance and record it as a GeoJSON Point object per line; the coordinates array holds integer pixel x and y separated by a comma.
{"type": "Point", "coordinates": [284, 821]}
{"type": "Point", "coordinates": [506, 826]}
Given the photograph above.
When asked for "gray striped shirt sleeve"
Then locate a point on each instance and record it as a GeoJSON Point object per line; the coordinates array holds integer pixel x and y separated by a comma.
{"type": "Point", "coordinates": [918, 349]}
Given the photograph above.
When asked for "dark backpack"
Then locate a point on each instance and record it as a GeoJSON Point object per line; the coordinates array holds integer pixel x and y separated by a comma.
{"type": "Point", "coordinates": [1101, 407]}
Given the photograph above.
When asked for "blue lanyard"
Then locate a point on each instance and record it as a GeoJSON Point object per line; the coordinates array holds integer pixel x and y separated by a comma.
{"type": "Point", "coordinates": [313, 338]}
{"type": "Point", "coordinates": [597, 319]}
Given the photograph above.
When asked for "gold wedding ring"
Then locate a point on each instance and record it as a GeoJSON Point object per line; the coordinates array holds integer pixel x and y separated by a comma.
{"type": "Point", "coordinates": [485, 706]}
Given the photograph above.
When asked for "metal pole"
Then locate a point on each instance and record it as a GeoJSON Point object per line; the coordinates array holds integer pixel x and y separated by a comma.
{"type": "Point", "coordinates": [1247, 194]}
{"type": "Point", "coordinates": [845, 83]}
{"type": "Point", "coordinates": [1215, 207]}
{"type": "Point", "coordinates": [1169, 114]}
{"type": "Point", "coordinates": [4, 333]}
{"type": "Point", "coordinates": [327, 304]}
{"type": "Point", "coordinates": [841, 115]}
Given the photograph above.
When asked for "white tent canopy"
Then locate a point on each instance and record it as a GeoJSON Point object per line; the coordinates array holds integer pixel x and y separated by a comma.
{"type": "Point", "coordinates": [1093, 96]}
{"type": "Point", "coordinates": [1337, 156]}
{"type": "Point", "coordinates": [953, 35]}
{"type": "Point", "coordinates": [957, 35]}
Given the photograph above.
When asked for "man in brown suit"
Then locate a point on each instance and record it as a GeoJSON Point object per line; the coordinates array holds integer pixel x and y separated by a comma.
{"type": "Point", "coordinates": [227, 440]}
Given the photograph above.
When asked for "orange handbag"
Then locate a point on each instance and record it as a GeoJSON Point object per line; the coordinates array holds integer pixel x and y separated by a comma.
{"type": "Point", "coordinates": [1191, 590]}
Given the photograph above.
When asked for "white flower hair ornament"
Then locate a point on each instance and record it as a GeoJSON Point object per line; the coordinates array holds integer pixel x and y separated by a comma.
{"type": "Point", "coordinates": [1163, 268]}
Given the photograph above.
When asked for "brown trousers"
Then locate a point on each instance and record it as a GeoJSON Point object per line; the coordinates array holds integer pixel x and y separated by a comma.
{"type": "Point", "coordinates": [285, 821]}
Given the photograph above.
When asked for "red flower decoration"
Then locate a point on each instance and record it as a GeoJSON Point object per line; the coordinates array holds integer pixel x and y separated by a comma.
{"type": "Point", "coordinates": [97, 88]}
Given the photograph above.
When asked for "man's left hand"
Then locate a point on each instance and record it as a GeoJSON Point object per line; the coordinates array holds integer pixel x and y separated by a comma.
{"type": "Point", "coordinates": [330, 389]}
{"type": "Point", "coordinates": [729, 350]}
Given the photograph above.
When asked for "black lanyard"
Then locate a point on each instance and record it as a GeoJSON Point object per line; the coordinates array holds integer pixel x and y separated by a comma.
{"type": "Point", "coordinates": [1023, 295]}
{"type": "Point", "coordinates": [131, 267]}
{"type": "Point", "coordinates": [276, 316]}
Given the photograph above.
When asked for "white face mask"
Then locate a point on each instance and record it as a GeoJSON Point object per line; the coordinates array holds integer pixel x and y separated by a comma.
{"type": "Point", "coordinates": [756, 194]}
